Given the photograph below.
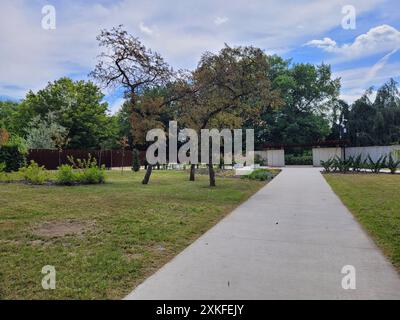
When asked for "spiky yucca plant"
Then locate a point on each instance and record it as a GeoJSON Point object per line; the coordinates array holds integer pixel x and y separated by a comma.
{"type": "Point", "coordinates": [378, 165]}
{"type": "Point", "coordinates": [393, 164]}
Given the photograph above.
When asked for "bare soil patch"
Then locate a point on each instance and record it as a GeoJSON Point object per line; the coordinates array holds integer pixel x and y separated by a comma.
{"type": "Point", "coordinates": [62, 228]}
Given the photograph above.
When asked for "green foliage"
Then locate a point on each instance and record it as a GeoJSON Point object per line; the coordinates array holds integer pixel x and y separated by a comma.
{"type": "Point", "coordinates": [66, 175]}
{"type": "Point", "coordinates": [305, 90]}
{"type": "Point", "coordinates": [42, 132]}
{"type": "Point", "coordinates": [88, 172]}
{"type": "Point", "coordinates": [259, 160]}
{"type": "Point", "coordinates": [327, 165]}
{"type": "Point", "coordinates": [376, 122]}
{"type": "Point", "coordinates": [378, 165]}
{"type": "Point", "coordinates": [34, 173]}
{"type": "Point", "coordinates": [13, 155]}
{"type": "Point", "coordinates": [293, 159]}
{"type": "Point", "coordinates": [342, 165]}
{"type": "Point", "coordinates": [135, 160]}
{"type": "Point", "coordinates": [92, 175]}
{"type": "Point", "coordinates": [8, 116]}
{"type": "Point", "coordinates": [393, 164]}
{"type": "Point", "coordinates": [76, 106]}
{"type": "Point", "coordinates": [260, 175]}
{"type": "Point", "coordinates": [337, 164]}
{"type": "Point", "coordinates": [358, 163]}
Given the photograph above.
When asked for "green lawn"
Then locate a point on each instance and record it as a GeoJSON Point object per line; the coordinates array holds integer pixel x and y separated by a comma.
{"type": "Point", "coordinates": [374, 199]}
{"type": "Point", "coordinates": [125, 231]}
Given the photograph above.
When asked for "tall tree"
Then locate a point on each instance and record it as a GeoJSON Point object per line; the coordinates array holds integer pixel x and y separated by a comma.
{"type": "Point", "coordinates": [307, 92]}
{"type": "Point", "coordinates": [75, 105]}
{"type": "Point", "coordinates": [46, 133]}
{"type": "Point", "coordinates": [226, 89]}
{"type": "Point", "coordinates": [126, 62]}
{"type": "Point", "coordinates": [8, 116]}
{"type": "Point", "coordinates": [376, 122]}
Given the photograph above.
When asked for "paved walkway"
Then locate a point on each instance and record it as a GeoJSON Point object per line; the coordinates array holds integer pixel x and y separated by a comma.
{"type": "Point", "coordinates": [289, 241]}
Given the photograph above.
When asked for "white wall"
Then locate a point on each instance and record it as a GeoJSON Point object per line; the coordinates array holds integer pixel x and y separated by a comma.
{"type": "Point", "coordinates": [375, 152]}
{"type": "Point", "coordinates": [324, 154]}
{"type": "Point", "coordinates": [273, 158]}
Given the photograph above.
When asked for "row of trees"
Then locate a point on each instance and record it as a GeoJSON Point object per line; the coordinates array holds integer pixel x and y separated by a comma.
{"type": "Point", "coordinates": [285, 103]}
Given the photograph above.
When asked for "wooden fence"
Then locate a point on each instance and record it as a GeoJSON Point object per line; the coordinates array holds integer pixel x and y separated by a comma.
{"type": "Point", "coordinates": [51, 159]}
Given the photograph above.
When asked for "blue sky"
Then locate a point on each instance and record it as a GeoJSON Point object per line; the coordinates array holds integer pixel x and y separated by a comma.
{"type": "Point", "coordinates": [306, 31]}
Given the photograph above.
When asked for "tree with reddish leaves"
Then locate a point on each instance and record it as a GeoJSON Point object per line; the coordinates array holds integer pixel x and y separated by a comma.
{"type": "Point", "coordinates": [126, 62]}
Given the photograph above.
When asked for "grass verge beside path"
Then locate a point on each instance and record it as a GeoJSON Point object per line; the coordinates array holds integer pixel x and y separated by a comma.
{"type": "Point", "coordinates": [374, 199]}
{"type": "Point", "coordinates": [103, 240]}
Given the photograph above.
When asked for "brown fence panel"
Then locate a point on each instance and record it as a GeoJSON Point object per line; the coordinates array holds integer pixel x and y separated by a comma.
{"type": "Point", "coordinates": [51, 159]}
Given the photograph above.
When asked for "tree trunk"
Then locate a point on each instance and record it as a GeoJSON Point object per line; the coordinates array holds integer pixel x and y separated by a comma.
{"type": "Point", "coordinates": [122, 168]}
{"type": "Point", "coordinates": [192, 172]}
{"type": "Point", "coordinates": [211, 173]}
{"type": "Point", "coordinates": [148, 174]}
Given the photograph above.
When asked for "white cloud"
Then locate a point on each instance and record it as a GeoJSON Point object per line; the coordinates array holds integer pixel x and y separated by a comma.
{"type": "Point", "coordinates": [379, 66]}
{"type": "Point", "coordinates": [145, 29]}
{"type": "Point", "coordinates": [356, 80]}
{"type": "Point", "coordinates": [377, 40]}
{"type": "Point", "coordinates": [220, 20]}
{"type": "Point", "coordinates": [31, 56]}
{"type": "Point", "coordinates": [326, 44]}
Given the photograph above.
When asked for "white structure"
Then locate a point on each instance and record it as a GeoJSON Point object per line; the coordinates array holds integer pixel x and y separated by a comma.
{"type": "Point", "coordinates": [375, 152]}
{"type": "Point", "coordinates": [273, 158]}
{"type": "Point", "coordinates": [324, 154]}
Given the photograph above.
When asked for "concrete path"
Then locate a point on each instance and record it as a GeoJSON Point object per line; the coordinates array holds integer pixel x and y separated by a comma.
{"type": "Point", "coordinates": [289, 241]}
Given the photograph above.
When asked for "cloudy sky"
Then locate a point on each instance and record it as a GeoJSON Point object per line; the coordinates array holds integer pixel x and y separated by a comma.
{"type": "Point", "coordinates": [304, 30]}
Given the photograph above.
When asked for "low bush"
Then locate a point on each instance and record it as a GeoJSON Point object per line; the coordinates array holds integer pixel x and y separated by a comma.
{"type": "Point", "coordinates": [87, 171]}
{"type": "Point", "coordinates": [357, 163]}
{"type": "Point", "coordinates": [259, 160]}
{"type": "Point", "coordinates": [393, 164]}
{"type": "Point", "coordinates": [291, 159]}
{"type": "Point", "coordinates": [260, 175]}
{"type": "Point", "coordinates": [4, 176]}
{"type": "Point", "coordinates": [92, 175]}
{"type": "Point", "coordinates": [327, 165]}
{"type": "Point", "coordinates": [378, 165]}
{"type": "Point", "coordinates": [34, 173]}
{"type": "Point", "coordinates": [342, 165]}
{"type": "Point", "coordinates": [66, 175]}
{"type": "Point", "coordinates": [13, 156]}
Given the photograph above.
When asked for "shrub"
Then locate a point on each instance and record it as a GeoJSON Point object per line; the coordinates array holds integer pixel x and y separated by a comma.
{"type": "Point", "coordinates": [66, 175]}
{"type": "Point", "coordinates": [135, 160]}
{"type": "Point", "coordinates": [88, 170]}
{"type": "Point", "coordinates": [342, 166]}
{"type": "Point", "coordinates": [291, 159]}
{"type": "Point", "coordinates": [327, 165]}
{"type": "Point", "coordinates": [34, 173]}
{"type": "Point", "coordinates": [378, 165]}
{"type": "Point", "coordinates": [2, 166]}
{"type": "Point", "coordinates": [260, 175]}
{"type": "Point", "coordinates": [393, 164]}
{"type": "Point", "coordinates": [13, 156]}
{"type": "Point", "coordinates": [92, 175]}
{"type": "Point", "coordinates": [259, 160]}
{"type": "Point", "coordinates": [358, 164]}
